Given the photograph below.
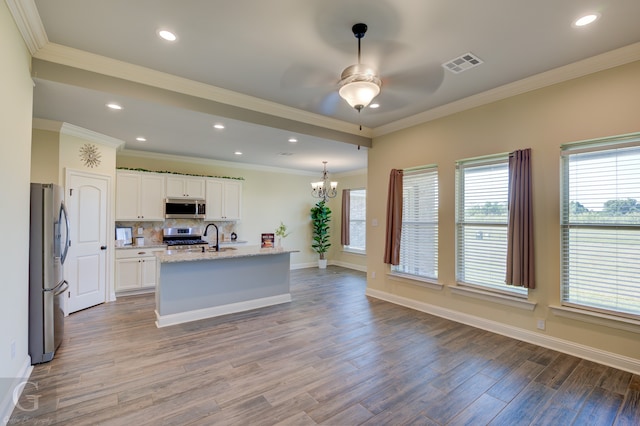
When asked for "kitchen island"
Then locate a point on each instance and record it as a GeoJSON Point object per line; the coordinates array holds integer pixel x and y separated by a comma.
{"type": "Point", "coordinates": [197, 285]}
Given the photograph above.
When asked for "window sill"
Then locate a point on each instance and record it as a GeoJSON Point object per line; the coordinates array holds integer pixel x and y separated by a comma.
{"type": "Point", "coordinates": [503, 299]}
{"type": "Point", "coordinates": [606, 320]}
{"type": "Point", "coordinates": [354, 251]}
{"type": "Point", "coordinates": [415, 280]}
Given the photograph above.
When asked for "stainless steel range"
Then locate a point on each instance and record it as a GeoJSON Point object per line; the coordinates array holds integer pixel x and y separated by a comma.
{"type": "Point", "coordinates": [183, 238]}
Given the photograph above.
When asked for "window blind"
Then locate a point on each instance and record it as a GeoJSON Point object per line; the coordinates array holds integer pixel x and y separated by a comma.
{"type": "Point", "coordinates": [481, 223]}
{"type": "Point", "coordinates": [357, 219]}
{"type": "Point", "coordinates": [600, 226]}
{"type": "Point", "coordinates": [419, 235]}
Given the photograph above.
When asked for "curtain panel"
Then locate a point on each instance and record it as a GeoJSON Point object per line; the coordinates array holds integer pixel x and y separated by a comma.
{"type": "Point", "coordinates": [394, 218]}
{"type": "Point", "coordinates": [345, 236]}
{"type": "Point", "coordinates": [520, 254]}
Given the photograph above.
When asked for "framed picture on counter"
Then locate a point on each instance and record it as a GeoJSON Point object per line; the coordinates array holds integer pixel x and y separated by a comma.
{"type": "Point", "coordinates": [267, 240]}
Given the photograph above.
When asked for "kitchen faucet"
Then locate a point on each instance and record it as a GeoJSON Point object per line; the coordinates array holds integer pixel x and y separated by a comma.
{"type": "Point", "coordinates": [205, 234]}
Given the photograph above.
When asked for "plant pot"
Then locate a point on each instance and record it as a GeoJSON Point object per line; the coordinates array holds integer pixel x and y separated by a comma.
{"type": "Point", "coordinates": [322, 263]}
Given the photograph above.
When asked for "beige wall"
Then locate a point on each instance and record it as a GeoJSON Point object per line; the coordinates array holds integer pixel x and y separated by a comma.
{"type": "Point", "coordinates": [268, 197]}
{"type": "Point", "coordinates": [598, 105]}
{"type": "Point", "coordinates": [45, 146]}
{"type": "Point", "coordinates": [69, 156]}
{"type": "Point", "coordinates": [16, 87]}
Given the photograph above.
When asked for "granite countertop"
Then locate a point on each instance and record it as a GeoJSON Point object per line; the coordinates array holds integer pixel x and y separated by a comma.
{"type": "Point", "coordinates": [149, 245]}
{"type": "Point", "coordinates": [170, 256]}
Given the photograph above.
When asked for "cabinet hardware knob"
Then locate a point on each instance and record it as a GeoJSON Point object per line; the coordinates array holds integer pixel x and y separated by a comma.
{"type": "Point", "coordinates": [103, 247]}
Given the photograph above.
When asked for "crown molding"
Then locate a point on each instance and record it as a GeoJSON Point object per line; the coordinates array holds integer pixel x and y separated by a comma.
{"type": "Point", "coordinates": [80, 59]}
{"type": "Point", "coordinates": [27, 19]}
{"type": "Point", "coordinates": [48, 125]}
{"type": "Point", "coordinates": [211, 162]}
{"type": "Point", "coordinates": [611, 59]}
{"type": "Point", "coordinates": [76, 131]}
{"type": "Point", "coordinates": [79, 132]}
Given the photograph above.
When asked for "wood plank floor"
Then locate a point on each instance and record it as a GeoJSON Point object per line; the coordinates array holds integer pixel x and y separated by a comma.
{"type": "Point", "coordinates": [332, 356]}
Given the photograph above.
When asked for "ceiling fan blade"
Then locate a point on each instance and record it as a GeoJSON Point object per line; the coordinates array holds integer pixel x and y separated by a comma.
{"type": "Point", "coordinates": [426, 80]}
{"type": "Point", "coordinates": [303, 76]}
{"type": "Point", "coordinates": [329, 104]}
{"type": "Point", "coordinates": [389, 101]}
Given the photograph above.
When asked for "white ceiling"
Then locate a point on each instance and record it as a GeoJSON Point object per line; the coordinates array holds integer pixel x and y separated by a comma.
{"type": "Point", "coordinates": [289, 54]}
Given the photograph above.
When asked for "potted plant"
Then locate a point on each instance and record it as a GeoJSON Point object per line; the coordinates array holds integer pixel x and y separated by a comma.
{"type": "Point", "coordinates": [320, 218]}
{"type": "Point", "coordinates": [281, 232]}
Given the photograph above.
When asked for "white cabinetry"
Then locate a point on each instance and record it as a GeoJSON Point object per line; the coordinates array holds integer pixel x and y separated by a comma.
{"type": "Point", "coordinates": [136, 269]}
{"type": "Point", "coordinates": [185, 187]}
{"type": "Point", "coordinates": [139, 196]}
{"type": "Point", "coordinates": [224, 199]}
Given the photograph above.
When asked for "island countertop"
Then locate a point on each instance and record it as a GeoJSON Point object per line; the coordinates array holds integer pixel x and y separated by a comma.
{"type": "Point", "coordinates": [193, 285]}
{"type": "Point", "coordinates": [170, 256]}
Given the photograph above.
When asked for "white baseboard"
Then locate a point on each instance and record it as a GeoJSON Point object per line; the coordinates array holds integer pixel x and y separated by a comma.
{"type": "Point", "coordinates": [303, 265]}
{"type": "Point", "coordinates": [348, 265]}
{"type": "Point", "coordinates": [8, 402]}
{"type": "Point", "coordinates": [215, 311]}
{"type": "Point", "coordinates": [611, 359]}
{"type": "Point", "coordinates": [330, 262]}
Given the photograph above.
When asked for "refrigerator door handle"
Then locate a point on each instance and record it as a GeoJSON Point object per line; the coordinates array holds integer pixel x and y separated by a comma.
{"type": "Point", "coordinates": [63, 212]}
{"type": "Point", "coordinates": [60, 288]}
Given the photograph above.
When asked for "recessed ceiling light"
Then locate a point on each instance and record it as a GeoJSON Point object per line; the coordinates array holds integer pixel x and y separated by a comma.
{"type": "Point", "coordinates": [141, 139]}
{"type": "Point", "coordinates": [293, 140]}
{"type": "Point", "coordinates": [586, 20]}
{"type": "Point", "coordinates": [238, 153]}
{"type": "Point", "coordinates": [374, 106]}
{"type": "Point", "coordinates": [218, 126]}
{"type": "Point", "coordinates": [114, 106]}
{"type": "Point", "coordinates": [167, 35]}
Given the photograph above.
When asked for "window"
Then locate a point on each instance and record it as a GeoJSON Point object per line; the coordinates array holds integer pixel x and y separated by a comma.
{"type": "Point", "coordinates": [600, 225]}
{"type": "Point", "coordinates": [419, 237]}
{"type": "Point", "coordinates": [357, 220]}
{"type": "Point", "coordinates": [481, 223]}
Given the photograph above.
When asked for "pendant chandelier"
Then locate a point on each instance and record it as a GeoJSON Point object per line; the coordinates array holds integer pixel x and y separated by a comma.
{"type": "Point", "coordinates": [324, 189]}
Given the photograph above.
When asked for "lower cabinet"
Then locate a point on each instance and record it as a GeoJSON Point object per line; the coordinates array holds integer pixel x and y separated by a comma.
{"type": "Point", "coordinates": [136, 269]}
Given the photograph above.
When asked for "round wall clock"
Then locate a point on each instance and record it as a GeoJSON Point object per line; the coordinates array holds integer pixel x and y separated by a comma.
{"type": "Point", "coordinates": [90, 155]}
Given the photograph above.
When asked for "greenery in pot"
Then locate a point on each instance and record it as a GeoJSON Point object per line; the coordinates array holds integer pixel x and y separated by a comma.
{"type": "Point", "coordinates": [320, 218]}
{"type": "Point", "coordinates": [281, 231]}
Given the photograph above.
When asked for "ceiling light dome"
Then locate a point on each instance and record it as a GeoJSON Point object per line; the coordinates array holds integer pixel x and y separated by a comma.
{"type": "Point", "coordinates": [359, 84]}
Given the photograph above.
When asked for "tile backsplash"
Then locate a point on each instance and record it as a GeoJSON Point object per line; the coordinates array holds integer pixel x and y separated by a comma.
{"type": "Point", "coordinates": [152, 231]}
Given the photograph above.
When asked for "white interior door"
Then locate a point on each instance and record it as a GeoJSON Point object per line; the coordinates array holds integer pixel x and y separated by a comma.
{"type": "Point", "coordinates": [86, 266]}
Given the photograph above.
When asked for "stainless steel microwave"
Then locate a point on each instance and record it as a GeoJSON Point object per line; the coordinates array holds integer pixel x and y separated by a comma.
{"type": "Point", "coordinates": [183, 208]}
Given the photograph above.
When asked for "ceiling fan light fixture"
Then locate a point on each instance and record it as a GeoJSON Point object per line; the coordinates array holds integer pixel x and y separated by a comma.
{"type": "Point", "coordinates": [359, 94]}
{"type": "Point", "coordinates": [359, 85]}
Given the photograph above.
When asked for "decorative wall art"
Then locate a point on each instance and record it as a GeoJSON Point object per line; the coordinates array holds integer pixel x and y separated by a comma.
{"type": "Point", "coordinates": [90, 155]}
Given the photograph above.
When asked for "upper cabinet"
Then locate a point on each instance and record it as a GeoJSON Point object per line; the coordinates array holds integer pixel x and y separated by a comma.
{"type": "Point", "coordinates": [224, 199]}
{"type": "Point", "coordinates": [139, 196]}
{"type": "Point", "coordinates": [185, 187]}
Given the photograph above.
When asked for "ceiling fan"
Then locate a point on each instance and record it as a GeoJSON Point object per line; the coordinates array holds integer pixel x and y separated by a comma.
{"type": "Point", "coordinates": [359, 83]}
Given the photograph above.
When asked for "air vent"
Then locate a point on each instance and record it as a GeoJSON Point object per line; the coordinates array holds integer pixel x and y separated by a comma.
{"type": "Point", "coordinates": [462, 63]}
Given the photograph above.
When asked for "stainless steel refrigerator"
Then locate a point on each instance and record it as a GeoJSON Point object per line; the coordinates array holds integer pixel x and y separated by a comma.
{"type": "Point", "coordinates": [48, 247]}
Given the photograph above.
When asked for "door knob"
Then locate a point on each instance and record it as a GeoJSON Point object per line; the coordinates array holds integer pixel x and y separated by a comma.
{"type": "Point", "coordinates": [103, 247]}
